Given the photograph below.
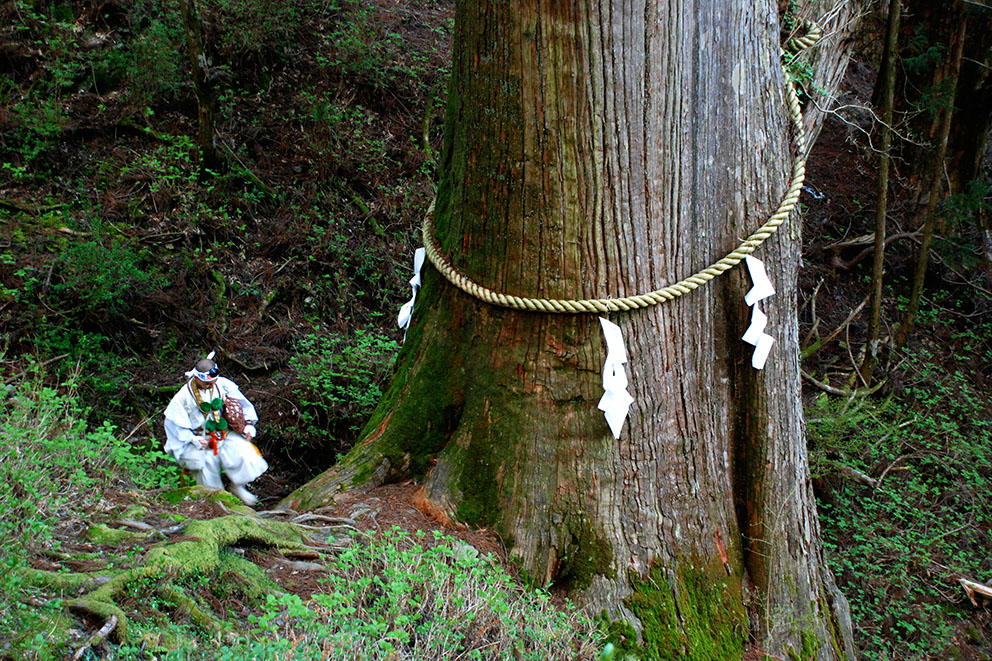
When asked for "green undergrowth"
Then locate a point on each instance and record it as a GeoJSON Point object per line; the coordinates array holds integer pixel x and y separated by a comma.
{"type": "Point", "coordinates": [897, 548]}
{"type": "Point", "coordinates": [340, 380]}
{"type": "Point", "coordinates": [121, 254]}
{"type": "Point", "coordinates": [54, 469]}
{"type": "Point", "coordinates": [197, 594]}
{"type": "Point", "coordinates": [418, 596]}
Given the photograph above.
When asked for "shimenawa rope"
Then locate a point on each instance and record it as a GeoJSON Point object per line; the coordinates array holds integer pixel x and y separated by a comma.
{"type": "Point", "coordinates": [601, 305]}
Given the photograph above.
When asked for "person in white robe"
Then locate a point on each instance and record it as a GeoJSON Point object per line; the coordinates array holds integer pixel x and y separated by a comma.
{"type": "Point", "coordinates": [206, 453]}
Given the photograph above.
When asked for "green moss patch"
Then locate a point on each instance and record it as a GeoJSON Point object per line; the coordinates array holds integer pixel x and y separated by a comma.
{"type": "Point", "coordinates": [586, 556]}
{"type": "Point", "coordinates": [175, 496]}
{"type": "Point", "coordinates": [103, 534]}
{"type": "Point", "coordinates": [702, 618]}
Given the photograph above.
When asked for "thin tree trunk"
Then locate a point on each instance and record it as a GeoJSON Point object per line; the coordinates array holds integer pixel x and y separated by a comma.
{"type": "Point", "coordinates": [934, 23]}
{"type": "Point", "coordinates": [936, 184]}
{"type": "Point", "coordinates": [593, 151]}
{"type": "Point", "coordinates": [878, 262]}
{"type": "Point", "coordinates": [201, 85]}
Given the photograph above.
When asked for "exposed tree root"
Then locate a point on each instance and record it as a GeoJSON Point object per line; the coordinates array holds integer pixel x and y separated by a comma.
{"type": "Point", "coordinates": [97, 638]}
{"type": "Point", "coordinates": [160, 578]}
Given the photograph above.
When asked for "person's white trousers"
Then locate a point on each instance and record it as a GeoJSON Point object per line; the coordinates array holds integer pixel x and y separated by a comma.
{"type": "Point", "coordinates": [237, 457]}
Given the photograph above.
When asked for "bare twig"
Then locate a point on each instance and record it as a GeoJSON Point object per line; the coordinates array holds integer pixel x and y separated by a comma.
{"type": "Point", "coordinates": [891, 466]}
{"type": "Point", "coordinates": [320, 517]}
{"type": "Point", "coordinates": [854, 361]}
{"type": "Point", "coordinates": [251, 175]}
{"type": "Point", "coordinates": [854, 474]}
{"type": "Point", "coordinates": [951, 532]}
{"type": "Point", "coordinates": [825, 387]}
{"type": "Point", "coordinates": [837, 331]}
{"type": "Point", "coordinates": [141, 424]}
{"type": "Point", "coordinates": [139, 525]}
{"type": "Point", "coordinates": [816, 320]}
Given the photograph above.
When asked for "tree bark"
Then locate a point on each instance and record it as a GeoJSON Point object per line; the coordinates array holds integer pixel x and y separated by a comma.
{"type": "Point", "coordinates": [829, 57]}
{"type": "Point", "coordinates": [936, 185]}
{"type": "Point", "coordinates": [881, 199]}
{"type": "Point", "coordinates": [595, 151]}
{"type": "Point", "coordinates": [201, 85]}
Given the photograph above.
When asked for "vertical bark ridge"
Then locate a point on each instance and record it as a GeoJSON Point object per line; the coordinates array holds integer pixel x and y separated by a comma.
{"type": "Point", "coordinates": [653, 136]}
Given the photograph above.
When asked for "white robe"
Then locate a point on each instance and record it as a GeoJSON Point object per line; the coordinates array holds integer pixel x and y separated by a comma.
{"type": "Point", "coordinates": [184, 421]}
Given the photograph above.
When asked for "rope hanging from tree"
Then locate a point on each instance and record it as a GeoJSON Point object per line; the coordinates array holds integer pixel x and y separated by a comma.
{"type": "Point", "coordinates": [602, 305]}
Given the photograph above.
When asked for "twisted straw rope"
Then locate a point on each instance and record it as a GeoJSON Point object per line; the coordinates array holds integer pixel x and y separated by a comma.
{"type": "Point", "coordinates": [601, 305]}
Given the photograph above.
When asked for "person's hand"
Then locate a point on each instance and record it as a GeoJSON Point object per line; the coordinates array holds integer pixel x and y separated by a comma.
{"type": "Point", "coordinates": [204, 443]}
{"type": "Point", "coordinates": [249, 436]}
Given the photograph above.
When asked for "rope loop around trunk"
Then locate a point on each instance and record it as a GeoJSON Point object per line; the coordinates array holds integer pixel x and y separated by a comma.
{"type": "Point", "coordinates": [602, 305]}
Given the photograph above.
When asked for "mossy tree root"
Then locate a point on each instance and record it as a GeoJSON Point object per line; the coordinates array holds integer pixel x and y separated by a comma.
{"type": "Point", "coordinates": [198, 553]}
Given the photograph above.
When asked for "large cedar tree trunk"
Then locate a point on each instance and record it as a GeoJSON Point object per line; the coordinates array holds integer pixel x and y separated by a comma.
{"type": "Point", "coordinates": [596, 150]}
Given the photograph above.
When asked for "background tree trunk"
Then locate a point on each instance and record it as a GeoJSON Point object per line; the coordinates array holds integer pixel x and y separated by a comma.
{"type": "Point", "coordinates": [930, 80]}
{"type": "Point", "coordinates": [888, 74]}
{"type": "Point", "coordinates": [821, 68]}
{"type": "Point", "coordinates": [201, 85]}
{"type": "Point", "coordinates": [936, 185]}
{"type": "Point", "coordinates": [589, 152]}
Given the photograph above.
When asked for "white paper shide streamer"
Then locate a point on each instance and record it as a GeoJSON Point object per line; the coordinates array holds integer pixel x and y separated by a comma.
{"type": "Point", "coordinates": [406, 312]}
{"type": "Point", "coordinates": [755, 334]}
{"type": "Point", "coordinates": [616, 401]}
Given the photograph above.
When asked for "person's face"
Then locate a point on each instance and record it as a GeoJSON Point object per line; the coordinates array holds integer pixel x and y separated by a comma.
{"type": "Point", "coordinates": [202, 385]}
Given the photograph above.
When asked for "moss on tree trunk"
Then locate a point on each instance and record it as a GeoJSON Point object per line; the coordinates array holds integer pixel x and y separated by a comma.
{"type": "Point", "coordinates": [590, 152]}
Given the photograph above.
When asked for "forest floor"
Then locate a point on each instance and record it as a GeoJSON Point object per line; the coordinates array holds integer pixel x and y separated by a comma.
{"type": "Point", "coordinates": [123, 265]}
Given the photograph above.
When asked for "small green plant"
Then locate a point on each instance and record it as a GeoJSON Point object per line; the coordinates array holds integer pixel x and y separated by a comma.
{"type": "Point", "coordinates": [896, 545]}
{"type": "Point", "coordinates": [421, 596]}
{"type": "Point", "coordinates": [54, 468]}
{"type": "Point", "coordinates": [341, 378]}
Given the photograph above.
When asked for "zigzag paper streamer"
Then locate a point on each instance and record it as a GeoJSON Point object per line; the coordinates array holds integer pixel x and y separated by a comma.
{"type": "Point", "coordinates": [616, 401]}
{"type": "Point", "coordinates": [406, 311]}
{"type": "Point", "coordinates": [755, 333]}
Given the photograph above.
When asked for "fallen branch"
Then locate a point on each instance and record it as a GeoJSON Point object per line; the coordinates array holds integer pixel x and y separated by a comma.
{"type": "Point", "coordinates": [971, 589]}
{"type": "Point", "coordinates": [854, 474]}
{"type": "Point", "coordinates": [864, 240]}
{"type": "Point", "coordinates": [97, 638]}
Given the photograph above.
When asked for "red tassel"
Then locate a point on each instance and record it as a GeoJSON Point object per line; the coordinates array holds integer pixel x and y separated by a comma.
{"type": "Point", "coordinates": [214, 437]}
